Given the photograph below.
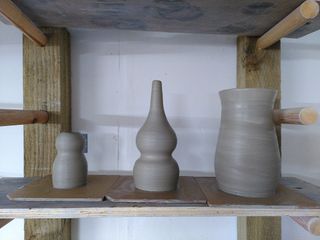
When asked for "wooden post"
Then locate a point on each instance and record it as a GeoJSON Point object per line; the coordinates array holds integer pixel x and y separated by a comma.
{"type": "Point", "coordinates": [258, 70]}
{"type": "Point", "coordinates": [46, 87]}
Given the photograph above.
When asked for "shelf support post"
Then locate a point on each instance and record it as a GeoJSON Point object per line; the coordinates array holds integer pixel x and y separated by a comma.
{"type": "Point", "coordinates": [259, 69]}
{"type": "Point", "coordinates": [46, 86]}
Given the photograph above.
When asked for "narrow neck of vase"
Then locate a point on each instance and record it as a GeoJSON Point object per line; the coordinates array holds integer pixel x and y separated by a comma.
{"type": "Point", "coordinates": [156, 104]}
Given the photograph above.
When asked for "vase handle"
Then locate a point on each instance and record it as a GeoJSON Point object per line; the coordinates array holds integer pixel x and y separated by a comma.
{"type": "Point", "coordinates": [300, 116]}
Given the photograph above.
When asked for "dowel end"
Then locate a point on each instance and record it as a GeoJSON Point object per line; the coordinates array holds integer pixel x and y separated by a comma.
{"type": "Point", "coordinates": [314, 226]}
{"type": "Point", "coordinates": [302, 116]}
{"type": "Point", "coordinates": [309, 9]}
{"type": "Point", "coordinates": [308, 116]}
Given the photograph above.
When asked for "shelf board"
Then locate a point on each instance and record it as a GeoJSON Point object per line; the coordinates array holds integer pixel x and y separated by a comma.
{"type": "Point", "coordinates": [245, 17]}
{"type": "Point", "coordinates": [287, 207]}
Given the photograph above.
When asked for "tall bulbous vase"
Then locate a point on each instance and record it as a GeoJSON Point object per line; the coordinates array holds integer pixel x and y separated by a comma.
{"type": "Point", "coordinates": [70, 167]}
{"type": "Point", "coordinates": [156, 170]}
{"type": "Point", "coordinates": [247, 161]}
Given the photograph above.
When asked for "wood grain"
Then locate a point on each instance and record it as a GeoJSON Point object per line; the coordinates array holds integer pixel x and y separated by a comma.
{"type": "Point", "coordinates": [14, 15]}
{"type": "Point", "coordinates": [245, 17]}
{"type": "Point", "coordinates": [70, 209]}
{"type": "Point", "coordinates": [307, 11]}
{"type": "Point", "coordinates": [41, 189]}
{"type": "Point", "coordinates": [302, 116]}
{"type": "Point", "coordinates": [283, 197]}
{"type": "Point", "coordinates": [188, 191]}
{"type": "Point", "coordinates": [259, 69]}
{"type": "Point", "coordinates": [46, 73]}
{"type": "Point", "coordinates": [256, 228]}
{"type": "Point", "coordinates": [17, 117]}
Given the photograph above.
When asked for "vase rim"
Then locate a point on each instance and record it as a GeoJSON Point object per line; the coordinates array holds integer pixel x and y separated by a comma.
{"type": "Point", "coordinates": [248, 90]}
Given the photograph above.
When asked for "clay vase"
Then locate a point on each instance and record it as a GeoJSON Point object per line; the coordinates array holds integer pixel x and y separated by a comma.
{"type": "Point", "coordinates": [156, 170]}
{"type": "Point", "coordinates": [70, 167]}
{"type": "Point", "coordinates": [247, 161]}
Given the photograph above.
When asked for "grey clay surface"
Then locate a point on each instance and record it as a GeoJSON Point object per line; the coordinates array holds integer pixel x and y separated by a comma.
{"type": "Point", "coordinates": [156, 170]}
{"type": "Point", "coordinates": [247, 161]}
{"type": "Point", "coordinates": [70, 167]}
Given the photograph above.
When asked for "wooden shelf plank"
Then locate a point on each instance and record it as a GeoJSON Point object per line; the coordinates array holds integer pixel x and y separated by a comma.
{"type": "Point", "coordinates": [41, 189]}
{"type": "Point", "coordinates": [21, 209]}
{"type": "Point", "coordinates": [246, 17]}
{"type": "Point", "coordinates": [188, 191]}
{"type": "Point", "coordinates": [284, 197]}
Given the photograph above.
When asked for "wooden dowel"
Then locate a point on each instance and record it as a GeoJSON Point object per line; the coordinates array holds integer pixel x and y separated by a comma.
{"type": "Point", "coordinates": [4, 222]}
{"type": "Point", "coordinates": [18, 117]}
{"type": "Point", "coordinates": [300, 16]}
{"type": "Point", "coordinates": [14, 15]}
{"type": "Point", "coordinates": [302, 116]}
{"type": "Point", "coordinates": [311, 224]}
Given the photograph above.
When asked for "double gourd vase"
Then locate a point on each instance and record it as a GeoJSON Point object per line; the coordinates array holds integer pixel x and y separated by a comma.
{"type": "Point", "coordinates": [156, 170]}
{"type": "Point", "coordinates": [247, 161]}
{"type": "Point", "coordinates": [70, 168]}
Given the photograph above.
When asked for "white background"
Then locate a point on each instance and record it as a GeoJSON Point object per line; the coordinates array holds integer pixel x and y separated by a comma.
{"type": "Point", "coordinates": [111, 79]}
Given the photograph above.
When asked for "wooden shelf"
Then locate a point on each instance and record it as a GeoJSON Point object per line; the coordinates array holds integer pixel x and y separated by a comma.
{"type": "Point", "coordinates": [287, 206]}
{"type": "Point", "coordinates": [246, 17]}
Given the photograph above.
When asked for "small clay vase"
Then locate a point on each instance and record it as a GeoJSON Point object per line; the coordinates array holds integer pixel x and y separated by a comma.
{"type": "Point", "coordinates": [70, 167]}
{"type": "Point", "coordinates": [156, 170]}
{"type": "Point", "coordinates": [247, 161]}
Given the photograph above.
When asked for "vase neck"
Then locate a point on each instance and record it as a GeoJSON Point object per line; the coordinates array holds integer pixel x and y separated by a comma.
{"type": "Point", "coordinates": [156, 104]}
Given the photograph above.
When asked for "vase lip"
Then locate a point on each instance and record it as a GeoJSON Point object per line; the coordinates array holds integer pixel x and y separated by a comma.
{"type": "Point", "coordinates": [156, 82]}
{"type": "Point", "coordinates": [248, 90]}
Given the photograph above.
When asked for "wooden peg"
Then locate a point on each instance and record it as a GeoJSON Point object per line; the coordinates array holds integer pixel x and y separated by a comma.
{"type": "Point", "coordinates": [18, 117]}
{"type": "Point", "coordinates": [311, 224]}
{"type": "Point", "coordinates": [14, 15]}
{"type": "Point", "coordinates": [300, 16]}
{"type": "Point", "coordinates": [302, 116]}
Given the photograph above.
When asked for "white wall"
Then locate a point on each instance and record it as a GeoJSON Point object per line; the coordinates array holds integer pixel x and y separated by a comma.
{"type": "Point", "coordinates": [11, 138]}
{"type": "Point", "coordinates": [300, 144]}
{"type": "Point", "coordinates": [111, 76]}
{"type": "Point", "coordinates": [112, 73]}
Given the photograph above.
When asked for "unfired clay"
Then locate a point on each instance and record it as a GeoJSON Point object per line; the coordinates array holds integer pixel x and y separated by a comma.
{"type": "Point", "coordinates": [70, 168]}
{"type": "Point", "coordinates": [247, 159]}
{"type": "Point", "coordinates": [156, 170]}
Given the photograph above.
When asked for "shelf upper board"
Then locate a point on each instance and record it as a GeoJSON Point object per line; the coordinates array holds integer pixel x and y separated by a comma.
{"type": "Point", "coordinates": [285, 207]}
{"type": "Point", "coordinates": [245, 17]}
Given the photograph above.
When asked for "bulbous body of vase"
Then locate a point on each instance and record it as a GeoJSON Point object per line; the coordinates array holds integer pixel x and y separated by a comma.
{"type": "Point", "coordinates": [156, 170]}
{"type": "Point", "coordinates": [247, 161]}
{"type": "Point", "coordinates": [70, 167]}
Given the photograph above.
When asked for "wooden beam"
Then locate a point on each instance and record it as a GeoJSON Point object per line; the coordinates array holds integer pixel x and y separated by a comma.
{"type": "Point", "coordinates": [307, 11]}
{"type": "Point", "coordinates": [258, 70]}
{"type": "Point", "coordinates": [46, 86]}
{"type": "Point", "coordinates": [4, 222]}
{"type": "Point", "coordinates": [14, 15]}
{"type": "Point", "coordinates": [18, 117]}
